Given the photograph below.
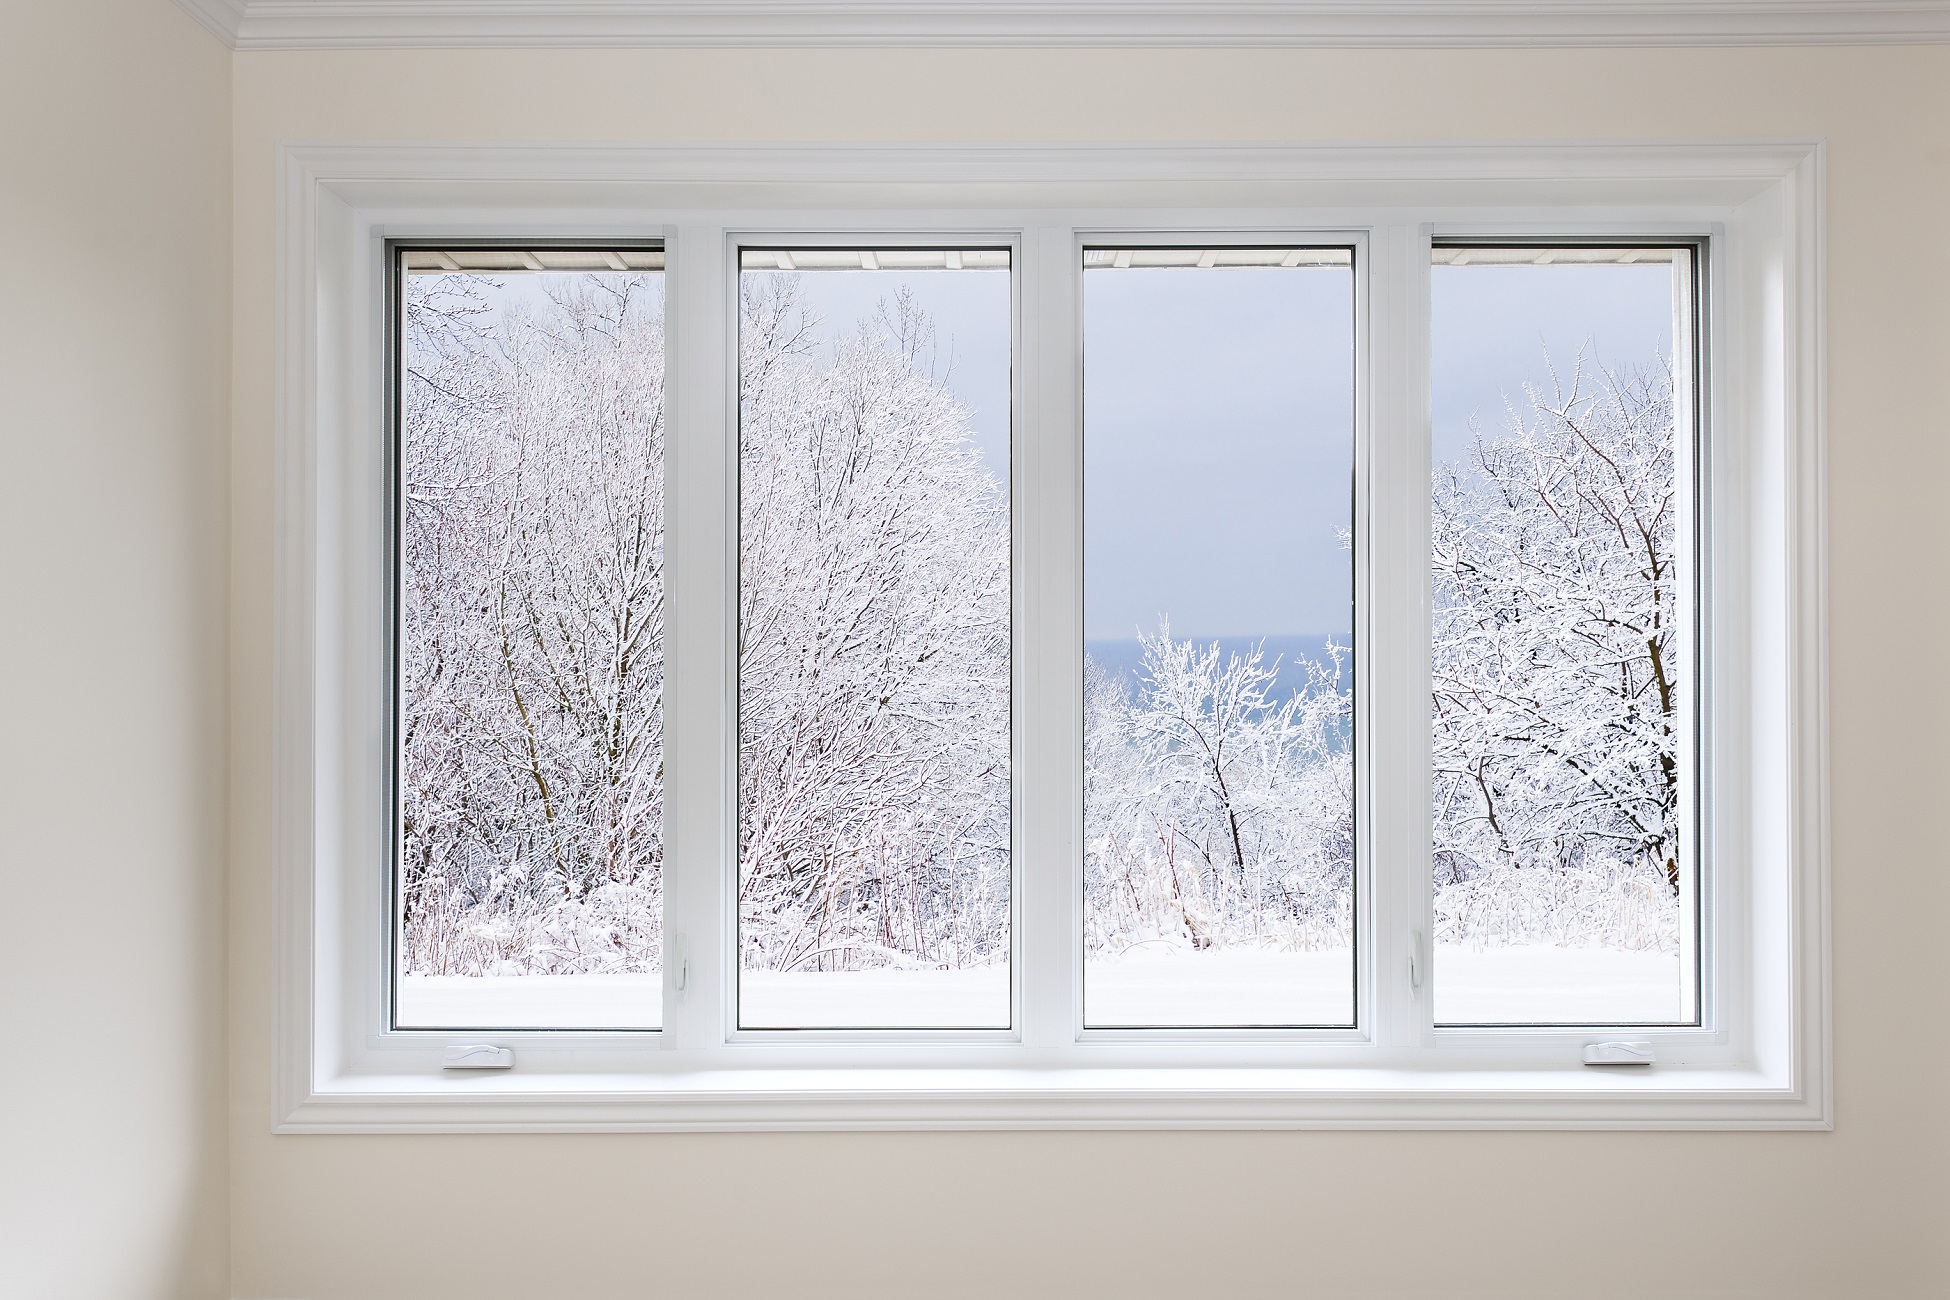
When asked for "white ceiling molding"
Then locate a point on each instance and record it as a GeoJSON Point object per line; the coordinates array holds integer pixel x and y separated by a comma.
{"type": "Point", "coordinates": [364, 24]}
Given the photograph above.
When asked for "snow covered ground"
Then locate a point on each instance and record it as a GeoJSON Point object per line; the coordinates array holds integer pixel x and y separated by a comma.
{"type": "Point", "coordinates": [531, 1001]}
{"type": "Point", "coordinates": [1176, 986]}
{"type": "Point", "coordinates": [977, 998]}
{"type": "Point", "coordinates": [1535, 984]}
{"type": "Point", "coordinates": [872, 999]}
{"type": "Point", "coordinates": [1545, 985]}
{"type": "Point", "coordinates": [1146, 986]}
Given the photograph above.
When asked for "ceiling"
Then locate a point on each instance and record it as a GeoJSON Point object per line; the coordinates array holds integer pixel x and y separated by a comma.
{"type": "Point", "coordinates": [352, 24]}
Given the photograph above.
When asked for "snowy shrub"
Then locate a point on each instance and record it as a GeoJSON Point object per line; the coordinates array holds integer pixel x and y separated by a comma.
{"type": "Point", "coordinates": [1216, 814]}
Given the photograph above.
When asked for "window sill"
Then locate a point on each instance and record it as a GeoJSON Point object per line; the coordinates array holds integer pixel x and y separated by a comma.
{"type": "Point", "coordinates": [1581, 1097]}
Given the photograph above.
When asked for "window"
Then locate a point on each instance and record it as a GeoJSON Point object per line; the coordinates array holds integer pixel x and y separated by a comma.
{"type": "Point", "coordinates": [1219, 846]}
{"type": "Point", "coordinates": [1563, 635]}
{"type": "Point", "coordinates": [996, 648]}
{"type": "Point", "coordinates": [529, 667]}
{"type": "Point", "coordinates": [873, 653]}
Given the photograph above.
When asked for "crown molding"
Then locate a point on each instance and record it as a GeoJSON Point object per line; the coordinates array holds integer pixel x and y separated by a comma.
{"type": "Point", "coordinates": [368, 24]}
{"type": "Point", "coordinates": [1737, 162]}
{"type": "Point", "coordinates": [224, 19]}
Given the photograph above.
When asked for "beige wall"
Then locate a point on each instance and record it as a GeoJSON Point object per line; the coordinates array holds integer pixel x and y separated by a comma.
{"type": "Point", "coordinates": [1859, 1212]}
{"type": "Point", "coordinates": [114, 411]}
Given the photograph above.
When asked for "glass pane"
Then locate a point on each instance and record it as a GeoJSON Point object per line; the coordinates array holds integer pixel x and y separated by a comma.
{"type": "Point", "coordinates": [873, 671]}
{"type": "Point", "coordinates": [530, 887]}
{"type": "Point", "coordinates": [1562, 549]}
{"type": "Point", "coordinates": [1218, 617]}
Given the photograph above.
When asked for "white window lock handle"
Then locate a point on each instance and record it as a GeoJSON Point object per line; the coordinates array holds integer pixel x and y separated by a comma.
{"type": "Point", "coordinates": [478, 1056]}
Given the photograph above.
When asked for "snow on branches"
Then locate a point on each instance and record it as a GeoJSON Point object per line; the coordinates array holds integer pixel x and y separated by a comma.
{"type": "Point", "coordinates": [531, 649]}
{"type": "Point", "coordinates": [1557, 658]}
{"type": "Point", "coordinates": [874, 680]}
{"type": "Point", "coordinates": [1216, 814]}
{"type": "Point", "coordinates": [874, 671]}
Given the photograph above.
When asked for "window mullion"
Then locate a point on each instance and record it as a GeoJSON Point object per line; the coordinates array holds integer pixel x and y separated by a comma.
{"type": "Point", "coordinates": [1049, 641]}
{"type": "Point", "coordinates": [1396, 590]}
{"type": "Point", "coordinates": [700, 646]}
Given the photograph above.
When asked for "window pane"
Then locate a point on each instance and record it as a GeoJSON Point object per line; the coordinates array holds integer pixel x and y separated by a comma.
{"type": "Point", "coordinates": [1218, 617]}
{"type": "Point", "coordinates": [873, 672]}
{"type": "Point", "coordinates": [1565, 883]}
{"type": "Point", "coordinates": [530, 639]}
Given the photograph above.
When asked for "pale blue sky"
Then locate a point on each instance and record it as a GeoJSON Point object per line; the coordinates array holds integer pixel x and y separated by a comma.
{"type": "Point", "coordinates": [1218, 450]}
{"type": "Point", "coordinates": [1219, 413]}
{"type": "Point", "coordinates": [1493, 326]}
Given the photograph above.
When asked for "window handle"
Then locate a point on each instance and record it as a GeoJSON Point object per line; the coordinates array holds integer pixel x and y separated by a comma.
{"type": "Point", "coordinates": [1415, 961]}
{"type": "Point", "coordinates": [477, 1056]}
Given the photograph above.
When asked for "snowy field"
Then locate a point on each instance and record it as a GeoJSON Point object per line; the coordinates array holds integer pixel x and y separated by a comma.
{"type": "Point", "coordinates": [1546, 985]}
{"type": "Point", "coordinates": [1161, 987]}
{"type": "Point", "coordinates": [1243, 986]}
{"type": "Point", "coordinates": [1538, 984]}
{"type": "Point", "coordinates": [977, 998]}
{"type": "Point", "coordinates": [872, 999]}
{"type": "Point", "coordinates": [531, 1001]}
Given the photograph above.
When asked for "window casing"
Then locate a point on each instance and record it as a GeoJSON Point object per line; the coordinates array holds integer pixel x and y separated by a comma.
{"type": "Point", "coordinates": [1757, 1060]}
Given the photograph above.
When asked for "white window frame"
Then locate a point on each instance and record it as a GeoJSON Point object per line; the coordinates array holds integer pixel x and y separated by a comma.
{"type": "Point", "coordinates": [1761, 1058]}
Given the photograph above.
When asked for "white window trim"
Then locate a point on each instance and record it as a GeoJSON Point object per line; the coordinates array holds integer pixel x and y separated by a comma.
{"type": "Point", "coordinates": [1761, 1061]}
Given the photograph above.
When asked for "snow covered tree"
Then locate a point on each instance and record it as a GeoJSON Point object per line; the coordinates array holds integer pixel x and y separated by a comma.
{"type": "Point", "coordinates": [874, 670]}
{"type": "Point", "coordinates": [874, 665]}
{"type": "Point", "coordinates": [1217, 813]}
{"type": "Point", "coordinates": [1558, 658]}
{"type": "Point", "coordinates": [874, 679]}
{"type": "Point", "coordinates": [531, 650]}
